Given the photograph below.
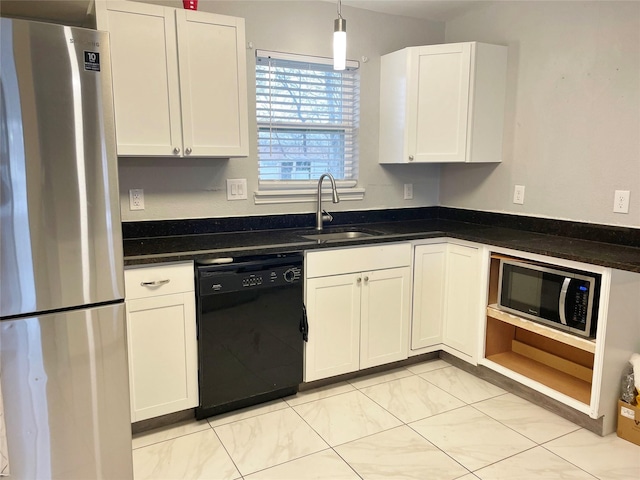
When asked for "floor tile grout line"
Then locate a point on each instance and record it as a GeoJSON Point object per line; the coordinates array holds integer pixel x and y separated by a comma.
{"type": "Point", "coordinates": [474, 405]}
{"type": "Point", "coordinates": [535, 444]}
{"type": "Point", "coordinates": [502, 423]}
{"type": "Point", "coordinates": [133, 449]}
{"type": "Point", "coordinates": [542, 445]}
{"type": "Point", "coordinates": [383, 381]}
{"type": "Point", "coordinates": [355, 439]}
{"type": "Point", "coordinates": [506, 458]}
{"type": "Point", "coordinates": [329, 446]}
{"type": "Point", "coordinates": [436, 446]}
{"type": "Point", "coordinates": [462, 399]}
{"type": "Point", "coordinates": [382, 407]}
{"type": "Point", "coordinates": [289, 461]}
{"type": "Point", "coordinates": [227, 452]}
{"type": "Point", "coordinates": [328, 396]}
{"type": "Point", "coordinates": [345, 461]}
{"type": "Point", "coordinates": [247, 409]}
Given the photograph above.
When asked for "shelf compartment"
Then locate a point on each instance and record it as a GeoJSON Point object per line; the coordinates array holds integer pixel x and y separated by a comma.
{"type": "Point", "coordinates": [585, 344]}
{"type": "Point", "coordinates": [552, 378]}
{"type": "Point", "coordinates": [554, 361]}
{"type": "Point", "coordinates": [565, 368]}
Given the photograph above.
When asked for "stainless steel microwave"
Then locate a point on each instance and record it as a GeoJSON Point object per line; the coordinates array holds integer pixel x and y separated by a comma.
{"type": "Point", "coordinates": [565, 299]}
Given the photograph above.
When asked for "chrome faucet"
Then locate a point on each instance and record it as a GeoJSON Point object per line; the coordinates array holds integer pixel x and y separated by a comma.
{"type": "Point", "coordinates": [321, 215]}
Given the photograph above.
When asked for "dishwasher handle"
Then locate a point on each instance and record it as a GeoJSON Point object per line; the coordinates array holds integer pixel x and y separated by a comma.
{"type": "Point", "coordinates": [304, 324]}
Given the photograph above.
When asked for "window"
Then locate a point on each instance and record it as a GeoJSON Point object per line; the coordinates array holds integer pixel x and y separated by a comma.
{"type": "Point", "coordinates": [307, 117]}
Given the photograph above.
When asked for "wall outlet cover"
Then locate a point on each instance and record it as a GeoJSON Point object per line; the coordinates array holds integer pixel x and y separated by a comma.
{"type": "Point", "coordinates": [518, 194]}
{"type": "Point", "coordinates": [408, 191]}
{"type": "Point", "coordinates": [136, 199]}
{"type": "Point", "coordinates": [621, 201]}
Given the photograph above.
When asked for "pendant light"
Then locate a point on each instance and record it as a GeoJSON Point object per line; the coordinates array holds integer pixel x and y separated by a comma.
{"type": "Point", "coordinates": [339, 40]}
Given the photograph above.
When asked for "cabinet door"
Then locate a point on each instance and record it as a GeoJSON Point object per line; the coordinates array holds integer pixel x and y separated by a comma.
{"type": "Point", "coordinates": [213, 84]}
{"type": "Point", "coordinates": [161, 338]}
{"type": "Point", "coordinates": [438, 102]}
{"type": "Point", "coordinates": [384, 328]}
{"type": "Point", "coordinates": [462, 298]}
{"type": "Point", "coordinates": [144, 66]}
{"type": "Point", "coordinates": [333, 311]}
{"type": "Point", "coordinates": [428, 295]}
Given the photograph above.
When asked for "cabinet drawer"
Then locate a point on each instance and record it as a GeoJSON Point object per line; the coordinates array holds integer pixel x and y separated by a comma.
{"type": "Point", "coordinates": [358, 259]}
{"type": "Point", "coordinates": [151, 281]}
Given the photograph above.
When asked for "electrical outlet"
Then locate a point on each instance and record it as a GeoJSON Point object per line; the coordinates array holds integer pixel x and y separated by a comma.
{"type": "Point", "coordinates": [408, 191]}
{"type": "Point", "coordinates": [621, 201]}
{"type": "Point", "coordinates": [236, 188]}
{"type": "Point", "coordinates": [136, 199]}
{"type": "Point", "coordinates": [518, 194]}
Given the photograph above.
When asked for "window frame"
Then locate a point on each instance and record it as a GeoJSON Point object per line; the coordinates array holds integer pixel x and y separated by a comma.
{"type": "Point", "coordinates": [292, 191]}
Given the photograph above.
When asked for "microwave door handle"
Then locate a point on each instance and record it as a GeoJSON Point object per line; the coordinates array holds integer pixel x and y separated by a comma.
{"type": "Point", "coordinates": [563, 300]}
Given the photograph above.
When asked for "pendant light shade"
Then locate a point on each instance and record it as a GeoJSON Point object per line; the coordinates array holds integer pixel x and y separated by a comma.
{"type": "Point", "coordinates": [339, 40]}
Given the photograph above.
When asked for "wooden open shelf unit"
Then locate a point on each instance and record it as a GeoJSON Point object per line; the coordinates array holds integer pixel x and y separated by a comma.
{"type": "Point", "coordinates": [559, 360]}
{"type": "Point", "coordinates": [586, 344]}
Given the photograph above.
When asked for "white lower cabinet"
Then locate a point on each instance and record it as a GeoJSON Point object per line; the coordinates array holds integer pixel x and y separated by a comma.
{"type": "Point", "coordinates": [358, 308]}
{"type": "Point", "coordinates": [463, 287]}
{"type": "Point", "coordinates": [161, 339]}
{"type": "Point", "coordinates": [428, 295]}
{"type": "Point", "coordinates": [333, 311]}
{"type": "Point", "coordinates": [446, 299]}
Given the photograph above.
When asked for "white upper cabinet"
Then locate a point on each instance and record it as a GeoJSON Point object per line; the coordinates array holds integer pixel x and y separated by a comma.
{"type": "Point", "coordinates": [442, 103]}
{"type": "Point", "coordinates": [179, 80]}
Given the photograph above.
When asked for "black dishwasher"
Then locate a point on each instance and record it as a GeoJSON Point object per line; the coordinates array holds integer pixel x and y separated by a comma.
{"type": "Point", "coordinates": [251, 329]}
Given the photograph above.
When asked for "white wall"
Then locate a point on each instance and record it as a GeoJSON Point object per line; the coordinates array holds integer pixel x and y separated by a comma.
{"type": "Point", "coordinates": [572, 129]}
{"type": "Point", "coordinates": [196, 188]}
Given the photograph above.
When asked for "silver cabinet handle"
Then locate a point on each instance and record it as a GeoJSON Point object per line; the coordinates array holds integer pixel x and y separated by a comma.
{"type": "Point", "coordinates": [359, 280]}
{"type": "Point", "coordinates": [176, 151]}
{"type": "Point", "coordinates": [155, 283]}
{"type": "Point", "coordinates": [366, 279]}
{"type": "Point", "coordinates": [188, 151]}
{"type": "Point", "coordinates": [411, 158]}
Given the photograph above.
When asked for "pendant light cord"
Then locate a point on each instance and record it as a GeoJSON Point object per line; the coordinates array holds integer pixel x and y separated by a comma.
{"type": "Point", "coordinates": [339, 8]}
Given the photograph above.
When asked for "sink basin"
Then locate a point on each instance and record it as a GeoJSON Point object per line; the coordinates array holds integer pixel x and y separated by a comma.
{"type": "Point", "coordinates": [338, 234]}
{"type": "Point", "coordinates": [329, 236]}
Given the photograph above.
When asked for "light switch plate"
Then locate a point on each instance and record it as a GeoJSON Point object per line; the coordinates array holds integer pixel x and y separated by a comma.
{"type": "Point", "coordinates": [236, 188]}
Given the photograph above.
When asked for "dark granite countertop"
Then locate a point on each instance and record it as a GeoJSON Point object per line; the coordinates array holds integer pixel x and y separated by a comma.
{"type": "Point", "coordinates": [202, 246]}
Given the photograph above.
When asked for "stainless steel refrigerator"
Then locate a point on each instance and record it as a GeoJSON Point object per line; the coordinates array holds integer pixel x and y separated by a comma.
{"type": "Point", "coordinates": [63, 360]}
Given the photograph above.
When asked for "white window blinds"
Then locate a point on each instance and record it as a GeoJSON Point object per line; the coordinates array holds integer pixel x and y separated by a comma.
{"type": "Point", "coordinates": [307, 117]}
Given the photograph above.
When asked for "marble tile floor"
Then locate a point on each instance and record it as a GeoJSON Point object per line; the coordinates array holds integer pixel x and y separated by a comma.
{"type": "Point", "coordinates": [429, 421]}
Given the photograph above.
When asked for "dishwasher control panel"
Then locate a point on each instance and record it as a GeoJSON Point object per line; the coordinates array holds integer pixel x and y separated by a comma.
{"type": "Point", "coordinates": [216, 282]}
{"type": "Point", "coordinates": [276, 276]}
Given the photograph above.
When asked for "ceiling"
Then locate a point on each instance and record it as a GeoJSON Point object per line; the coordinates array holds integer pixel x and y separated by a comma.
{"type": "Point", "coordinates": [74, 12]}
{"type": "Point", "coordinates": [442, 10]}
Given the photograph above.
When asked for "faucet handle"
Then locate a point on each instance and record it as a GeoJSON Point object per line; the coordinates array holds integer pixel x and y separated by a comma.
{"type": "Point", "coordinates": [326, 216]}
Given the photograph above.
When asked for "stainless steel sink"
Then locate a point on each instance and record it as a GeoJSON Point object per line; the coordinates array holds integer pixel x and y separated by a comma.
{"type": "Point", "coordinates": [336, 236]}
{"type": "Point", "coordinates": [340, 234]}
